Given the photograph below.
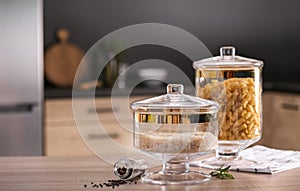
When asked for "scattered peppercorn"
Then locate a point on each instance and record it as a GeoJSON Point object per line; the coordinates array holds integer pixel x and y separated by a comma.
{"type": "Point", "coordinates": [111, 183]}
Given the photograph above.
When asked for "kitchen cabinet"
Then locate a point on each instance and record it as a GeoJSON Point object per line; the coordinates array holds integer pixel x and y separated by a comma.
{"type": "Point", "coordinates": [281, 123]}
{"type": "Point", "coordinates": [281, 127]}
{"type": "Point", "coordinates": [62, 137]}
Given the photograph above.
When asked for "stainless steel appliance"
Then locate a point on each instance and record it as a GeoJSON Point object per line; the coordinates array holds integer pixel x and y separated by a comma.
{"type": "Point", "coordinates": [21, 77]}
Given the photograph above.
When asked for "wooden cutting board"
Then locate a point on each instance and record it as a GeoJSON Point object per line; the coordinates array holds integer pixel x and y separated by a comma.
{"type": "Point", "coordinates": [62, 60]}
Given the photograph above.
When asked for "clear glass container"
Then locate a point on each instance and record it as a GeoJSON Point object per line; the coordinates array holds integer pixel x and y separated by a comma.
{"type": "Point", "coordinates": [175, 128]}
{"type": "Point", "coordinates": [236, 84]}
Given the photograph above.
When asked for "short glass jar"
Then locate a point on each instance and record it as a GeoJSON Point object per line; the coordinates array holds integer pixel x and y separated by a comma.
{"type": "Point", "coordinates": [175, 128]}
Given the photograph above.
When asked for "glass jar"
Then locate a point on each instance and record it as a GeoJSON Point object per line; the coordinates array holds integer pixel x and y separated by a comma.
{"type": "Point", "coordinates": [235, 83]}
{"type": "Point", "coordinates": [175, 128]}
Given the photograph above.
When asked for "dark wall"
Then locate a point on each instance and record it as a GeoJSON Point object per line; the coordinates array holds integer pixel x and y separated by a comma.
{"type": "Point", "coordinates": [267, 30]}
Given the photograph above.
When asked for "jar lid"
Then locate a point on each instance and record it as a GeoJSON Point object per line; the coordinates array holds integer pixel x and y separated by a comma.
{"type": "Point", "coordinates": [227, 59]}
{"type": "Point", "coordinates": [175, 101]}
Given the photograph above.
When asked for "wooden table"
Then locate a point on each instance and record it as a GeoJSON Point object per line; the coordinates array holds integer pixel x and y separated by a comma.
{"type": "Point", "coordinates": [72, 173]}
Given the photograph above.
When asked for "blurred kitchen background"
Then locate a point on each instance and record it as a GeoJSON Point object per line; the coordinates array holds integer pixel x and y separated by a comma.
{"type": "Point", "coordinates": [35, 99]}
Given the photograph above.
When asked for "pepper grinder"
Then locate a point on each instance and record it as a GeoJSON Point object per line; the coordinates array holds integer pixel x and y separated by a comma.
{"type": "Point", "coordinates": [129, 168]}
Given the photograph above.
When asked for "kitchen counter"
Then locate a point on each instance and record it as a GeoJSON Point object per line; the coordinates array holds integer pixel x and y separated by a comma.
{"type": "Point", "coordinates": [54, 93]}
{"type": "Point", "coordinates": [73, 173]}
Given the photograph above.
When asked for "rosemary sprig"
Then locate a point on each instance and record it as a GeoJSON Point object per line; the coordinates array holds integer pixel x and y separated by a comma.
{"type": "Point", "coordinates": [222, 173]}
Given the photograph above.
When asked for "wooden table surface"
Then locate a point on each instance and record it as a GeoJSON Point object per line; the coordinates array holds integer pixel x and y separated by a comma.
{"type": "Point", "coordinates": [72, 173]}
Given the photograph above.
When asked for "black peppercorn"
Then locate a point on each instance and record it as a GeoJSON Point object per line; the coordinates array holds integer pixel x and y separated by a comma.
{"type": "Point", "coordinates": [111, 183]}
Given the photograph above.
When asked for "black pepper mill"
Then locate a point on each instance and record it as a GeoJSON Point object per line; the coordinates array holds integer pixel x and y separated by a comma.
{"type": "Point", "coordinates": [128, 168]}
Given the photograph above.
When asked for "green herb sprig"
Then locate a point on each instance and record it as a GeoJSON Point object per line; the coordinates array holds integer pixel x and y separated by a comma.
{"type": "Point", "coordinates": [222, 173]}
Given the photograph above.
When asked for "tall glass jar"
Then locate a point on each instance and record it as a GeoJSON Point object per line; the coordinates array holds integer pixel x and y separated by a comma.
{"type": "Point", "coordinates": [235, 83]}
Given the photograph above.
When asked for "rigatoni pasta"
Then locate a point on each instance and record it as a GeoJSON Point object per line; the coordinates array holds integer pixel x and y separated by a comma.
{"type": "Point", "coordinates": [239, 116]}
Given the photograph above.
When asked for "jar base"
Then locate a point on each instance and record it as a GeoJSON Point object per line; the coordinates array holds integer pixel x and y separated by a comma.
{"type": "Point", "coordinates": [215, 163]}
{"type": "Point", "coordinates": [161, 178]}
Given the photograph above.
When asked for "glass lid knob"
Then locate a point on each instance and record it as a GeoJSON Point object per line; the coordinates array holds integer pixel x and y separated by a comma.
{"type": "Point", "coordinates": [175, 89]}
{"type": "Point", "coordinates": [227, 52]}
